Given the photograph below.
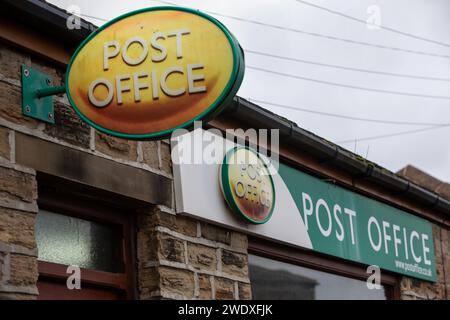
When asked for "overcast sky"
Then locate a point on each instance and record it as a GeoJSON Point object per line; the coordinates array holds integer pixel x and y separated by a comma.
{"type": "Point", "coordinates": [428, 150]}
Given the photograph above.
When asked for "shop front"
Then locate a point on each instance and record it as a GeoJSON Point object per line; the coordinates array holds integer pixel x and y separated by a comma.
{"type": "Point", "coordinates": [95, 207]}
{"type": "Point", "coordinates": [296, 218]}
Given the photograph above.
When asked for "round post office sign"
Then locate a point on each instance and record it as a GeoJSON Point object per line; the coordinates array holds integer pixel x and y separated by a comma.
{"type": "Point", "coordinates": [151, 71]}
{"type": "Point", "coordinates": [247, 185]}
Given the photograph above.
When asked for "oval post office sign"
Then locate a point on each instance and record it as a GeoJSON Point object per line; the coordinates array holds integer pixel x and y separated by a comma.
{"type": "Point", "coordinates": [151, 71]}
{"type": "Point", "coordinates": [247, 185]}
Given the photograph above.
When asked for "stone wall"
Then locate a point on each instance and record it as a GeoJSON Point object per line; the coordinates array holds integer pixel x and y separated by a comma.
{"type": "Point", "coordinates": [18, 262]}
{"type": "Point", "coordinates": [413, 289]}
{"type": "Point", "coordinates": [181, 258]}
{"type": "Point", "coordinates": [18, 189]}
{"type": "Point", "coordinates": [18, 185]}
{"type": "Point", "coordinates": [177, 257]}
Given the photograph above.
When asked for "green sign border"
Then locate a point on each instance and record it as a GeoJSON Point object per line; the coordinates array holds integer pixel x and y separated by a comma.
{"type": "Point", "coordinates": [227, 94]}
{"type": "Point", "coordinates": [225, 186]}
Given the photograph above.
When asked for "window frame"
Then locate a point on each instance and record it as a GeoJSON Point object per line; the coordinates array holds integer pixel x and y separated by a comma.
{"type": "Point", "coordinates": [90, 204]}
{"type": "Point", "coordinates": [320, 262]}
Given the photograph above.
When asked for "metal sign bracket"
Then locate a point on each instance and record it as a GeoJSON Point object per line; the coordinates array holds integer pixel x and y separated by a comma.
{"type": "Point", "coordinates": [37, 94]}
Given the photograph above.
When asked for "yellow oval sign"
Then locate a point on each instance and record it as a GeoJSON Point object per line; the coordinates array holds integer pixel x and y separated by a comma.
{"type": "Point", "coordinates": [247, 185]}
{"type": "Point", "coordinates": [149, 72]}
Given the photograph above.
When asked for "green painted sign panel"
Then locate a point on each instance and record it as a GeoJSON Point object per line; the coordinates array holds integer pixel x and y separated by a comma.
{"type": "Point", "coordinates": [351, 226]}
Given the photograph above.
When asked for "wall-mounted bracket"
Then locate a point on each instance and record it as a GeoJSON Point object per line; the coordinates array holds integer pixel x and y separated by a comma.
{"type": "Point", "coordinates": [37, 94]}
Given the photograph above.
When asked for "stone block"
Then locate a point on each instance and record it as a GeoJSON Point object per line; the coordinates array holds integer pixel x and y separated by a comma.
{"type": "Point", "coordinates": [69, 127]}
{"type": "Point", "coordinates": [115, 147]}
{"type": "Point", "coordinates": [150, 153]}
{"type": "Point", "coordinates": [202, 257]}
{"type": "Point", "coordinates": [16, 185]}
{"type": "Point", "coordinates": [215, 233]}
{"type": "Point", "coordinates": [166, 159]}
{"type": "Point", "coordinates": [181, 224]}
{"type": "Point", "coordinates": [234, 263]}
{"type": "Point", "coordinates": [239, 240]}
{"type": "Point", "coordinates": [224, 289]}
{"type": "Point", "coordinates": [177, 281]}
{"type": "Point", "coordinates": [5, 149]}
{"type": "Point", "coordinates": [204, 284]}
{"type": "Point", "coordinates": [18, 228]}
{"type": "Point", "coordinates": [11, 60]}
{"type": "Point", "coordinates": [11, 106]}
{"type": "Point", "coordinates": [245, 291]}
{"type": "Point", "coordinates": [171, 248]}
{"type": "Point", "coordinates": [23, 271]}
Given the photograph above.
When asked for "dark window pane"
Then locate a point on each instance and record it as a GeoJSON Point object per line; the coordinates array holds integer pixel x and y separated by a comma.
{"type": "Point", "coordinates": [72, 241]}
{"type": "Point", "coordinates": [274, 280]}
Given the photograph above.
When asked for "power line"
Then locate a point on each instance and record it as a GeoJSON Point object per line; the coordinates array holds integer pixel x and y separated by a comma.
{"type": "Point", "coordinates": [92, 17]}
{"type": "Point", "coordinates": [330, 83]}
{"type": "Point", "coordinates": [336, 115]}
{"type": "Point", "coordinates": [314, 34]}
{"type": "Point", "coordinates": [319, 35]}
{"type": "Point", "coordinates": [325, 64]}
{"type": "Point", "coordinates": [394, 134]}
{"type": "Point", "coordinates": [380, 26]}
{"type": "Point", "coordinates": [401, 75]}
{"type": "Point", "coordinates": [327, 82]}
{"type": "Point", "coordinates": [347, 85]}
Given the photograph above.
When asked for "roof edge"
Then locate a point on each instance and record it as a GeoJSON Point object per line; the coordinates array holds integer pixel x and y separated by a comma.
{"type": "Point", "coordinates": [43, 14]}
{"type": "Point", "coordinates": [359, 167]}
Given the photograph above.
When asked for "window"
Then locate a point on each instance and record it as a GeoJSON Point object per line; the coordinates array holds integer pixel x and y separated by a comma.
{"type": "Point", "coordinates": [280, 271]}
{"type": "Point", "coordinates": [72, 241]}
{"type": "Point", "coordinates": [273, 279]}
{"type": "Point", "coordinates": [84, 227]}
